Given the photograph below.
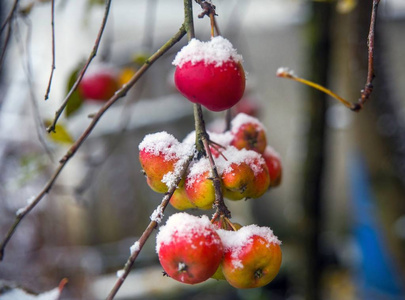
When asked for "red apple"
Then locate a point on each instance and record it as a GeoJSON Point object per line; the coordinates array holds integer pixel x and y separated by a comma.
{"type": "Point", "coordinates": [248, 133]}
{"type": "Point", "coordinates": [160, 154]}
{"type": "Point", "coordinates": [210, 73]}
{"type": "Point", "coordinates": [273, 162]}
{"type": "Point", "coordinates": [244, 174]}
{"type": "Point", "coordinates": [99, 86]}
{"type": "Point", "coordinates": [252, 256]}
{"type": "Point", "coordinates": [189, 248]}
{"type": "Point", "coordinates": [180, 200]}
{"type": "Point", "coordinates": [199, 186]}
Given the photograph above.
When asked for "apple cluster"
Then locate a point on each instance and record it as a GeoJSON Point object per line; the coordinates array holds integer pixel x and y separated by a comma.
{"type": "Point", "coordinates": [191, 250]}
{"type": "Point", "coordinates": [247, 166]}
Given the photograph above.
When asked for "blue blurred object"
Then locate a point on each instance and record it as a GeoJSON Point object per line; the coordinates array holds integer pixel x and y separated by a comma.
{"type": "Point", "coordinates": [376, 275]}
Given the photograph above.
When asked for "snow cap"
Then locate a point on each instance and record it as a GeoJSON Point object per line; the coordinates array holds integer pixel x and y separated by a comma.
{"type": "Point", "coordinates": [185, 226]}
{"type": "Point", "coordinates": [216, 51]}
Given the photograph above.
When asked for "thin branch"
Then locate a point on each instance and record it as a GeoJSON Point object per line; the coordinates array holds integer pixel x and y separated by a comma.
{"type": "Point", "coordinates": [9, 16]}
{"type": "Point", "coordinates": [73, 149]}
{"type": "Point", "coordinates": [368, 88]}
{"type": "Point", "coordinates": [48, 89]}
{"type": "Point", "coordinates": [285, 73]}
{"type": "Point", "coordinates": [148, 231]}
{"type": "Point", "coordinates": [84, 69]}
{"type": "Point", "coordinates": [203, 139]}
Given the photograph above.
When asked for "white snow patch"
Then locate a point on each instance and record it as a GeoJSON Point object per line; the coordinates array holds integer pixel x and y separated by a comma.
{"type": "Point", "coordinates": [21, 210]}
{"type": "Point", "coordinates": [120, 273]}
{"type": "Point", "coordinates": [284, 71]}
{"type": "Point", "coordinates": [184, 151]}
{"type": "Point", "coordinates": [197, 169]}
{"type": "Point", "coordinates": [157, 214]}
{"type": "Point", "coordinates": [160, 143]}
{"type": "Point", "coordinates": [185, 227]}
{"type": "Point", "coordinates": [135, 247]}
{"type": "Point", "coordinates": [216, 51]}
{"type": "Point", "coordinates": [224, 139]}
{"type": "Point", "coordinates": [237, 157]}
{"type": "Point", "coordinates": [166, 145]}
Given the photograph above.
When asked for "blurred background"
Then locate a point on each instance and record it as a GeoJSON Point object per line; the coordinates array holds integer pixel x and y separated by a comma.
{"type": "Point", "coordinates": [340, 210]}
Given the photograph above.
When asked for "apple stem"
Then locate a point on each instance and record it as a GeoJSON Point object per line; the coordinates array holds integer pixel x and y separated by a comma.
{"type": "Point", "coordinates": [209, 10]}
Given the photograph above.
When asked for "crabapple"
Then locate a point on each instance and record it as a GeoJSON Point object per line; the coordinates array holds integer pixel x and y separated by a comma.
{"type": "Point", "coordinates": [99, 86]}
{"type": "Point", "coordinates": [248, 133]}
{"type": "Point", "coordinates": [252, 256]}
{"type": "Point", "coordinates": [199, 185]}
{"type": "Point", "coordinates": [261, 181]}
{"type": "Point", "coordinates": [210, 73]}
{"type": "Point", "coordinates": [189, 248]}
{"type": "Point", "coordinates": [237, 181]}
{"type": "Point", "coordinates": [244, 174]}
{"type": "Point", "coordinates": [274, 166]}
{"type": "Point", "coordinates": [180, 200]}
{"type": "Point", "coordinates": [159, 154]}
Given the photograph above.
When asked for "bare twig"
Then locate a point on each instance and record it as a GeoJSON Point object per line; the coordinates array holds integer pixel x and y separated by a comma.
{"type": "Point", "coordinates": [148, 231]}
{"type": "Point", "coordinates": [208, 8]}
{"type": "Point", "coordinates": [73, 149]}
{"type": "Point", "coordinates": [48, 89]}
{"type": "Point", "coordinates": [9, 16]}
{"type": "Point", "coordinates": [368, 88]}
{"type": "Point", "coordinates": [84, 69]}
{"type": "Point", "coordinates": [202, 139]}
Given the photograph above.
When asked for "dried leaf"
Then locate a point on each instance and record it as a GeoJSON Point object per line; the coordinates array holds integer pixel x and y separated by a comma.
{"type": "Point", "coordinates": [61, 135]}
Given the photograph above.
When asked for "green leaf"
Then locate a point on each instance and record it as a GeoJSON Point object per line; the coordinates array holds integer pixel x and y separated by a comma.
{"type": "Point", "coordinates": [75, 100]}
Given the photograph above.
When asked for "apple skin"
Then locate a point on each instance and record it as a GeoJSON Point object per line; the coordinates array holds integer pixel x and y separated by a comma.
{"type": "Point", "coordinates": [274, 166]}
{"type": "Point", "coordinates": [215, 87]}
{"type": "Point", "coordinates": [261, 181]}
{"type": "Point", "coordinates": [261, 261]}
{"type": "Point", "coordinates": [201, 191]}
{"type": "Point", "coordinates": [249, 136]}
{"type": "Point", "coordinates": [192, 261]}
{"type": "Point", "coordinates": [98, 86]}
{"type": "Point", "coordinates": [180, 200]}
{"type": "Point", "coordinates": [237, 182]}
{"type": "Point", "coordinates": [155, 167]}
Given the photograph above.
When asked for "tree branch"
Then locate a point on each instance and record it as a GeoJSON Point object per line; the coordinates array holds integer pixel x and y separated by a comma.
{"type": "Point", "coordinates": [48, 89]}
{"type": "Point", "coordinates": [368, 88]}
{"type": "Point", "coordinates": [148, 231]}
{"type": "Point", "coordinates": [72, 150]}
{"type": "Point", "coordinates": [84, 69]}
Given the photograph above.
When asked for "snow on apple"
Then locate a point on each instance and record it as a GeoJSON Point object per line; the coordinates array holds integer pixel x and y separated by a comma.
{"type": "Point", "coordinates": [252, 256]}
{"type": "Point", "coordinates": [189, 248]}
{"type": "Point", "coordinates": [210, 73]}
